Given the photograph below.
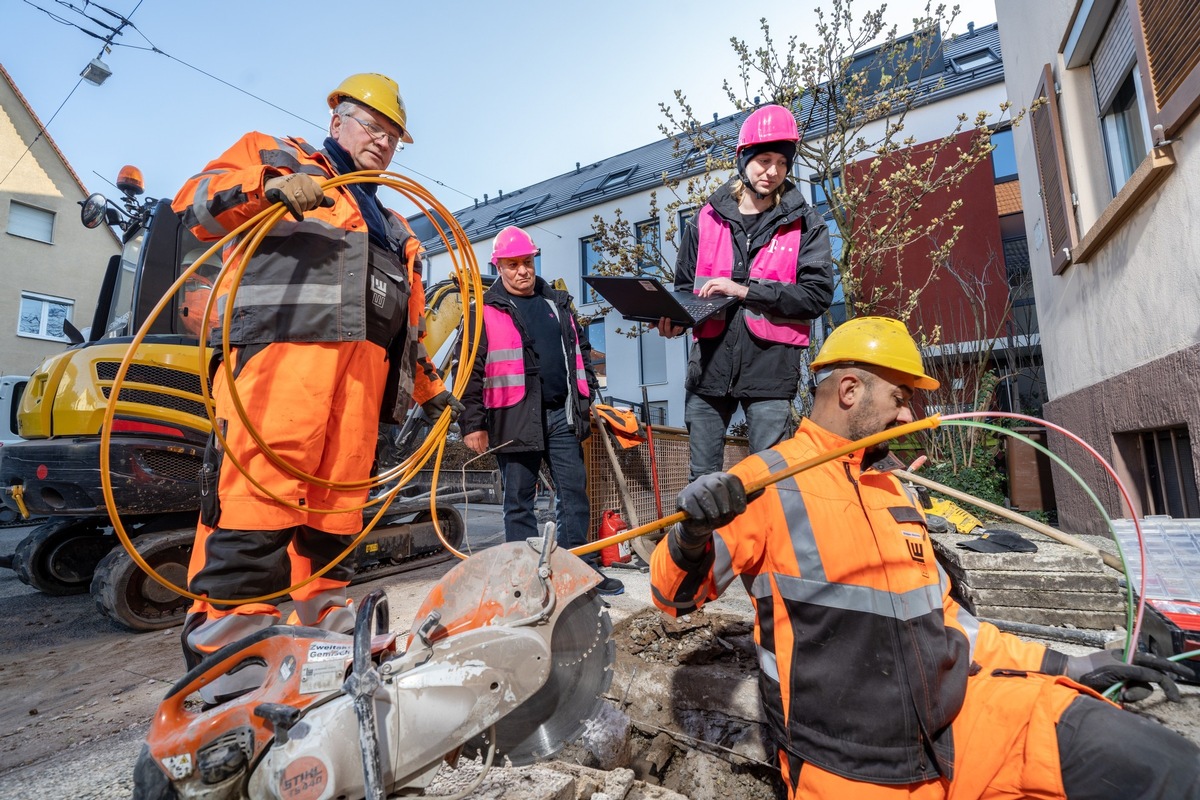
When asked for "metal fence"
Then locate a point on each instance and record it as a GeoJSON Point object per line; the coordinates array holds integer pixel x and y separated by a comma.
{"type": "Point", "coordinates": [671, 459]}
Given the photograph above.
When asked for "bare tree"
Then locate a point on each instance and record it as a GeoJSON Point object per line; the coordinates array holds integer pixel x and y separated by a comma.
{"type": "Point", "coordinates": [852, 99]}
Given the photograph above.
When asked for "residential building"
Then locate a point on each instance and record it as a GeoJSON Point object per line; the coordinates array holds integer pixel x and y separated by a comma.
{"type": "Point", "coordinates": [1109, 167]}
{"type": "Point", "coordinates": [965, 77]}
{"type": "Point", "coordinates": [53, 266]}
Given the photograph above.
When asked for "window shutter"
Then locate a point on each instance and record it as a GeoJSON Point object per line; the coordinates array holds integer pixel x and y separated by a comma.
{"type": "Point", "coordinates": [1171, 50]}
{"type": "Point", "coordinates": [1052, 174]}
{"type": "Point", "coordinates": [30, 223]}
{"type": "Point", "coordinates": [1114, 56]}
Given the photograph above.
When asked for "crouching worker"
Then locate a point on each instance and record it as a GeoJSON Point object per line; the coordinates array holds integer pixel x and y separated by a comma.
{"type": "Point", "coordinates": [876, 684]}
{"type": "Point", "coordinates": [326, 341]}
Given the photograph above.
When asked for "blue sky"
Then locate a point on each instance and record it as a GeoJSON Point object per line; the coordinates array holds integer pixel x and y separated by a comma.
{"type": "Point", "coordinates": [499, 95]}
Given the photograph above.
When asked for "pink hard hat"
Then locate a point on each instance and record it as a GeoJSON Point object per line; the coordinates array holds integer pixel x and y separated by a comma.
{"type": "Point", "coordinates": [512, 242]}
{"type": "Point", "coordinates": [768, 124]}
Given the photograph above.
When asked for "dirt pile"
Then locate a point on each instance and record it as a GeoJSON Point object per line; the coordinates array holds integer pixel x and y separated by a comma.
{"type": "Point", "coordinates": [685, 713]}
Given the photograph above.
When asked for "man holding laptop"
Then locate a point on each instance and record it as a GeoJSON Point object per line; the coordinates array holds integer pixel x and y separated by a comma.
{"type": "Point", "coordinates": [756, 240]}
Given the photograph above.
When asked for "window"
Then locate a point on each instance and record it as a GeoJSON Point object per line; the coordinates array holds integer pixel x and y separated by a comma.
{"type": "Point", "coordinates": [589, 259]}
{"type": "Point", "coordinates": [30, 222]}
{"type": "Point", "coordinates": [618, 178]}
{"type": "Point", "coordinates": [18, 389]}
{"type": "Point", "coordinates": [648, 240]}
{"type": "Point", "coordinates": [1167, 476]}
{"type": "Point", "coordinates": [590, 185]}
{"type": "Point", "coordinates": [1126, 135]}
{"type": "Point", "coordinates": [977, 59]}
{"type": "Point", "coordinates": [1004, 156]}
{"type": "Point", "coordinates": [658, 412]}
{"type": "Point", "coordinates": [517, 211]}
{"type": "Point", "coordinates": [652, 357]}
{"type": "Point", "coordinates": [699, 153]}
{"type": "Point", "coordinates": [605, 181]}
{"type": "Point", "coordinates": [1157, 37]}
{"type": "Point", "coordinates": [1117, 80]}
{"type": "Point", "coordinates": [595, 333]}
{"type": "Point", "coordinates": [1016, 262]}
{"type": "Point", "coordinates": [821, 189]}
{"type": "Point", "coordinates": [42, 316]}
{"type": "Point", "coordinates": [686, 215]}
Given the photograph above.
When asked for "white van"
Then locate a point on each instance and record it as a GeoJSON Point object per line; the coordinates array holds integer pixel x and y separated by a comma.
{"type": "Point", "coordinates": [11, 387]}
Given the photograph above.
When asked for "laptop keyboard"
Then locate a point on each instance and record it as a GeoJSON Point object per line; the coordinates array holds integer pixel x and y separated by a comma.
{"type": "Point", "coordinates": [697, 307]}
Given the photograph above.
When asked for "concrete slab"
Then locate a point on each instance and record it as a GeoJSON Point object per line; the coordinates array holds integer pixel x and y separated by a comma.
{"type": "Point", "coordinates": [1046, 598]}
{"type": "Point", "coordinates": [1057, 585]}
{"type": "Point", "coordinates": [1093, 620]}
{"type": "Point", "coordinates": [1039, 581]}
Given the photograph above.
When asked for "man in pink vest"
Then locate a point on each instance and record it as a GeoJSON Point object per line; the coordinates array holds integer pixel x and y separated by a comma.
{"type": "Point", "coordinates": [529, 395]}
{"type": "Point", "coordinates": [758, 240]}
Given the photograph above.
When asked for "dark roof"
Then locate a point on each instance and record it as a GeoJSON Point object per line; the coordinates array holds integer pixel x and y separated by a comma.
{"type": "Point", "coordinates": [969, 61]}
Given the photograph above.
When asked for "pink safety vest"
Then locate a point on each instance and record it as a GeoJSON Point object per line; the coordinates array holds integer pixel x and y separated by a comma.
{"type": "Point", "coordinates": [775, 262]}
{"type": "Point", "coordinates": [504, 368]}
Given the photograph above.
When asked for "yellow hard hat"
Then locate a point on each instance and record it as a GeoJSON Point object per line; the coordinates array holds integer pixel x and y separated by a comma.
{"type": "Point", "coordinates": [880, 341]}
{"type": "Point", "coordinates": [378, 92]}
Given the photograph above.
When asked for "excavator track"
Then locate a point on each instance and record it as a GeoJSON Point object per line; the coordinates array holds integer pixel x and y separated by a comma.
{"type": "Point", "coordinates": [425, 549]}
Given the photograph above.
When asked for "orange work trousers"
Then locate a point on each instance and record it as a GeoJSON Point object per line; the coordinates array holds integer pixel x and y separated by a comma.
{"type": "Point", "coordinates": [1005, 747]}
{"type": "Point", "coordinates": [317, 406]}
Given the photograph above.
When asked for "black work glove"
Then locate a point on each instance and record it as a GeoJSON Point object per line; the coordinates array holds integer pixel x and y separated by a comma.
{"type": "Point", "coordinates": [1103, 668]}
{"type": "Point", "coordinates": [297, 191]}
{"type": "Point", "coordinates": [710, 502]}
{"type": "Point", "coordinates": [434, 407]}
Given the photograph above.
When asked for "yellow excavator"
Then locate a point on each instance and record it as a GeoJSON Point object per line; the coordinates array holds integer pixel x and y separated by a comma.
{"type": "Point", "coordinates": [158, 434]}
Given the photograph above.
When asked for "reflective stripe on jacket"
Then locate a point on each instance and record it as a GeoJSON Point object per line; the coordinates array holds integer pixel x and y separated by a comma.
{"type": "Point", "coordinates": [863, 655]}
{"type": "Point", "coordinates": [308, 280]}
{"type": "Point", "coordinates": [775, 262]}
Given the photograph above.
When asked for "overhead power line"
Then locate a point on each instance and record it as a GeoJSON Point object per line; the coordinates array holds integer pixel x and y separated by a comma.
{"type": "Point", "coordinates": [126, 22]}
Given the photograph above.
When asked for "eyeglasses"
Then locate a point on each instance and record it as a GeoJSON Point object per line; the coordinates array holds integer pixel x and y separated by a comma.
{"type": "Point", "coordinates": [374, 131]}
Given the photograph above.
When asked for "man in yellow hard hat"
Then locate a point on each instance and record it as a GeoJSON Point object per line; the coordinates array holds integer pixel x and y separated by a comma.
{"type": "Point", "coordinates": [875, 683]}
{"type": "Point", "coordinates": [326, 334]}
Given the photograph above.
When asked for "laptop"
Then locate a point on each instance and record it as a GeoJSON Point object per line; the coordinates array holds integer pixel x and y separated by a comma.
{"type": "Point", "coordinates": [647, 300]}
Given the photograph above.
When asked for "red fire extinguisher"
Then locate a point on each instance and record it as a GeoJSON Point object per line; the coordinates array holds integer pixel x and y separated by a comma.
{"type": "Point", "coordinates": [610, 525]}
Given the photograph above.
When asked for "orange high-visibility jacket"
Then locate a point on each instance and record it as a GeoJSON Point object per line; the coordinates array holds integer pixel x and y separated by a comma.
{"type": "Point", "coordinates": [863, 656]}
{"type": "Point", "coordinates": [308, 280]}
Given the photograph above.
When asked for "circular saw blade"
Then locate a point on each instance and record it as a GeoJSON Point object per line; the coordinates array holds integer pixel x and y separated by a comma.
{"type": "Point", "coordinates": [556, 715]}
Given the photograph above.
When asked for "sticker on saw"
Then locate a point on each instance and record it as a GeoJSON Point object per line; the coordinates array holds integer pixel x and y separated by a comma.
{"type": "Point", "coordinates": [327, 651]}
{"type": "Point", "coordinates": [326, 677]}
{"type": "Point", "coordinates": [303, 779]}
{"type": "Point", "coordinates": [179, 766]}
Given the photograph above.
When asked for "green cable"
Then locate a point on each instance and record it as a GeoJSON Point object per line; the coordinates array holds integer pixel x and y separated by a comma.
{"type": "Point", "coordinates": [1129, 602]}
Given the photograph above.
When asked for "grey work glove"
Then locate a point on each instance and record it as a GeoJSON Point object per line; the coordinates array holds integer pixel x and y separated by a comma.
{"type": "Point", "coordinates": [1103, 668]}
{"type": "Point", "coordinates": [710, 502]}
{"type": "Point", "coordinates": [434, 407]}
{"type": "Point", "coordinates": [297, 191]}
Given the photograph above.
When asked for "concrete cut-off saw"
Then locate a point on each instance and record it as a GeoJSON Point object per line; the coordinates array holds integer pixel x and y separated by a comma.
{"type": "Point", "coordinates": [509, 654]}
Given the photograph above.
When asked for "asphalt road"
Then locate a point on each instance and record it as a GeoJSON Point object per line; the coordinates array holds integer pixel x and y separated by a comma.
{"type": "Point", "coordinates": [77, 691]}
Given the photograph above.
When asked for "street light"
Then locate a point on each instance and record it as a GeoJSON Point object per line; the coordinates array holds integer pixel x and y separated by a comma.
{"type": "Point", "coordinates": [96, 72]}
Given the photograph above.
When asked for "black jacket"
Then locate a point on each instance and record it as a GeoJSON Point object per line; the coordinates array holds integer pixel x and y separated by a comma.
{"type": "Point", "coordinates": [521, 425]}
{"type": "Point", "coordinates": [735, 363]}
